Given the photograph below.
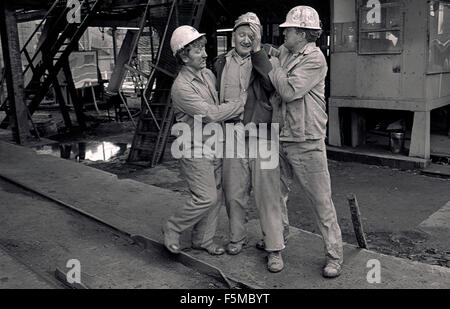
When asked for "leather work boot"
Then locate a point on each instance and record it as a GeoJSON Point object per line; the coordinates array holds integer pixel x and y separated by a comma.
{"type": "Point", "coordinates": [332, 270]}
{"type": "Point", "coordinates": [275, 262]}
{"type": "Point", "coordinates": [213, 249]}
{"type": "Point", "coordinates": [234, 248]}
{"type": "Point", "coordinates": [171, 240]}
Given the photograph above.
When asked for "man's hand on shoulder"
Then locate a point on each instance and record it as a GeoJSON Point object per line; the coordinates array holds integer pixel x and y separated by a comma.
{"type": "Point", "coordinates": [271, 50]}
{"type": "Point", "coordinates": [275, 62]}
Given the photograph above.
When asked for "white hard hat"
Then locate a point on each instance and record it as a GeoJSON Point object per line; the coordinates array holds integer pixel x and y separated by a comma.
{"type": "Point", "coordinates": [182, 36]}
{"type": "Point", "coordinates": [247, 18]}
{"type": "Point", "coordinates": [302, 17]}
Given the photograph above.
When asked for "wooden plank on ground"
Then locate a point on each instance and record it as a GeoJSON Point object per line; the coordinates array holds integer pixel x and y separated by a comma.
{"type": "Point", "coordinates": [357, 223]}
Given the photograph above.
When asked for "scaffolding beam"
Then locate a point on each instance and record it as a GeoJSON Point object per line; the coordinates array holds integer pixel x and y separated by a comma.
{"type": "Point", "coordinates": [18, 114]}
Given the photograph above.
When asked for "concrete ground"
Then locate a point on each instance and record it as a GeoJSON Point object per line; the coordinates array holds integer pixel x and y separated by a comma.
{"type": "Point", "coordinates": [393, 205]}
{"type": "Point", "coordinates": [393, 202]}
{"type": "Point", "coordinates": [139, 208]}
{"type": "Point", "coordinates": [43, 236]}
{"type": "Point", "coordinates": [385, 195]}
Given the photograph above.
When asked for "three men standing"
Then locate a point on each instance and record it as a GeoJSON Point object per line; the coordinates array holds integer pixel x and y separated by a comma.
{"type": "Point", "coordinates": [245, 76]}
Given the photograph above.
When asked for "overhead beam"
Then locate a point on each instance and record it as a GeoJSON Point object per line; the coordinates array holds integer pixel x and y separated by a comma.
{"type": "Point", "coordinates": [30, 16]}
{"type": "Point", "coordinates": [109, 4]}
{"type": "Point", "coordinates": [29, 4]}
{"type": "Point", "coordinates": [115, 22]}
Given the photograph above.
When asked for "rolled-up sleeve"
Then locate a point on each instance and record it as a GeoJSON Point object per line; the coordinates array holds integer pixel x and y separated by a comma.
{"type": "Point", "coordinates": [186, 100]}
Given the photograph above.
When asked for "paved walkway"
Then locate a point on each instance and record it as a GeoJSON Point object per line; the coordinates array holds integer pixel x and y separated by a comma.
{"type": "Point", "coordinates": [438, 223]}
{"type": "Point", "coordinates": [140, 209]}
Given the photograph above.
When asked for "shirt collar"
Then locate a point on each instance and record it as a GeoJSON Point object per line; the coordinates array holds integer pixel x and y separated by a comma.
{"type": "Point", "coordinates": [308, 48]}
{"type": "Point", "coordinates": [190, 74]}
{"type": "Point", "coordinates": [239, 59]}
{"type": "Point", "coordinates": [305, 49]}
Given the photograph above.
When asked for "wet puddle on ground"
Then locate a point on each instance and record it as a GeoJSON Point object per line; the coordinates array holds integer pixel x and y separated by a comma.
{"type": "Point", "coordinates": [92, 151]}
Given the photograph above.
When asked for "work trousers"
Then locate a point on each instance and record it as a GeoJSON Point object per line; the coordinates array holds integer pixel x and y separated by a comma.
{"type": "Point", "coordinates": [240, 175]}
{"type": "Point", "coordinates": [308, 161]}
{"type": "Point", "coordinates": [201, 209]}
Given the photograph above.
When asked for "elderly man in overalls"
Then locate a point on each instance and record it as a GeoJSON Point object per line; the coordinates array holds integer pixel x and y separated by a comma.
{"type": "Point", "coordinates": [242, 75]}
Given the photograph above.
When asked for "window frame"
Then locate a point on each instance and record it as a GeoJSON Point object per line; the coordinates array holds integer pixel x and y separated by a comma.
{"type": "Point", "coordinates": [429, 71]}
{"type": "Point", "coordinates": [362, 9]}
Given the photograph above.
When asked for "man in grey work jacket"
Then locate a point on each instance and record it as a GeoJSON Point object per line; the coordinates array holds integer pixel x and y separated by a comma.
{"type": "Point", "coordinates": [299, 105]}
{"type": "Point", "coordinates": [242, 75]}
{"type": "Point", "coordinates": [194, 94]}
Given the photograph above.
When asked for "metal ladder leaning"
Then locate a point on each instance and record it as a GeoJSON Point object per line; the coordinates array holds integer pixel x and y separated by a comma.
{"type": "Point", "coordinates": [140, 147]}
{"type": "Point", "coordinates": [129, 67]}
{"type": "Point", "coordinates": [57, 50]}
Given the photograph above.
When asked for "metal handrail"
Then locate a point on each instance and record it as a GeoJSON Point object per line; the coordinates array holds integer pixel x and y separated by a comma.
{"type": "Point", "coordinates": [30, 64]}
{"type": "Point", "coordinates": [40, 47]}
{"type": "Point", "coordinates": [40, 24]}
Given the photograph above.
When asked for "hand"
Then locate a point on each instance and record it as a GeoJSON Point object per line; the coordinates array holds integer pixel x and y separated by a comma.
{"type": "Point", "coordinates": [275, 62]}
{"type": "Point", "coordinates": [256, 42]}
{"type": "Point", "coordinates": [273, 52]}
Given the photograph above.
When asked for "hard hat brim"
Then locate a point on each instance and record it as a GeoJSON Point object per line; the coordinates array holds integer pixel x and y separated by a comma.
{"type": "Point", "coordinates": [195, 38]}
{"type": "Point", "coordinates": [243, 24]}
{"type": "Point", "coordinates": [287, 25]}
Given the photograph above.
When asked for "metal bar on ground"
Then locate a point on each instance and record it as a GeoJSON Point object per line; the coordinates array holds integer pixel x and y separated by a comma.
{"type": "Point", "coordinates": [62, 277]}
{"type": "Point", "coordinates": [356, 220]}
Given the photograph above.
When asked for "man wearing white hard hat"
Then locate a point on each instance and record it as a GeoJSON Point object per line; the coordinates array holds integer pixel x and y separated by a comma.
{"type": "Point", "coordinates": [299, 104]}
{"type": "Point", "coordinates": [242, 74]}
{"type": "Point", "coordinates": [194, 94]}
